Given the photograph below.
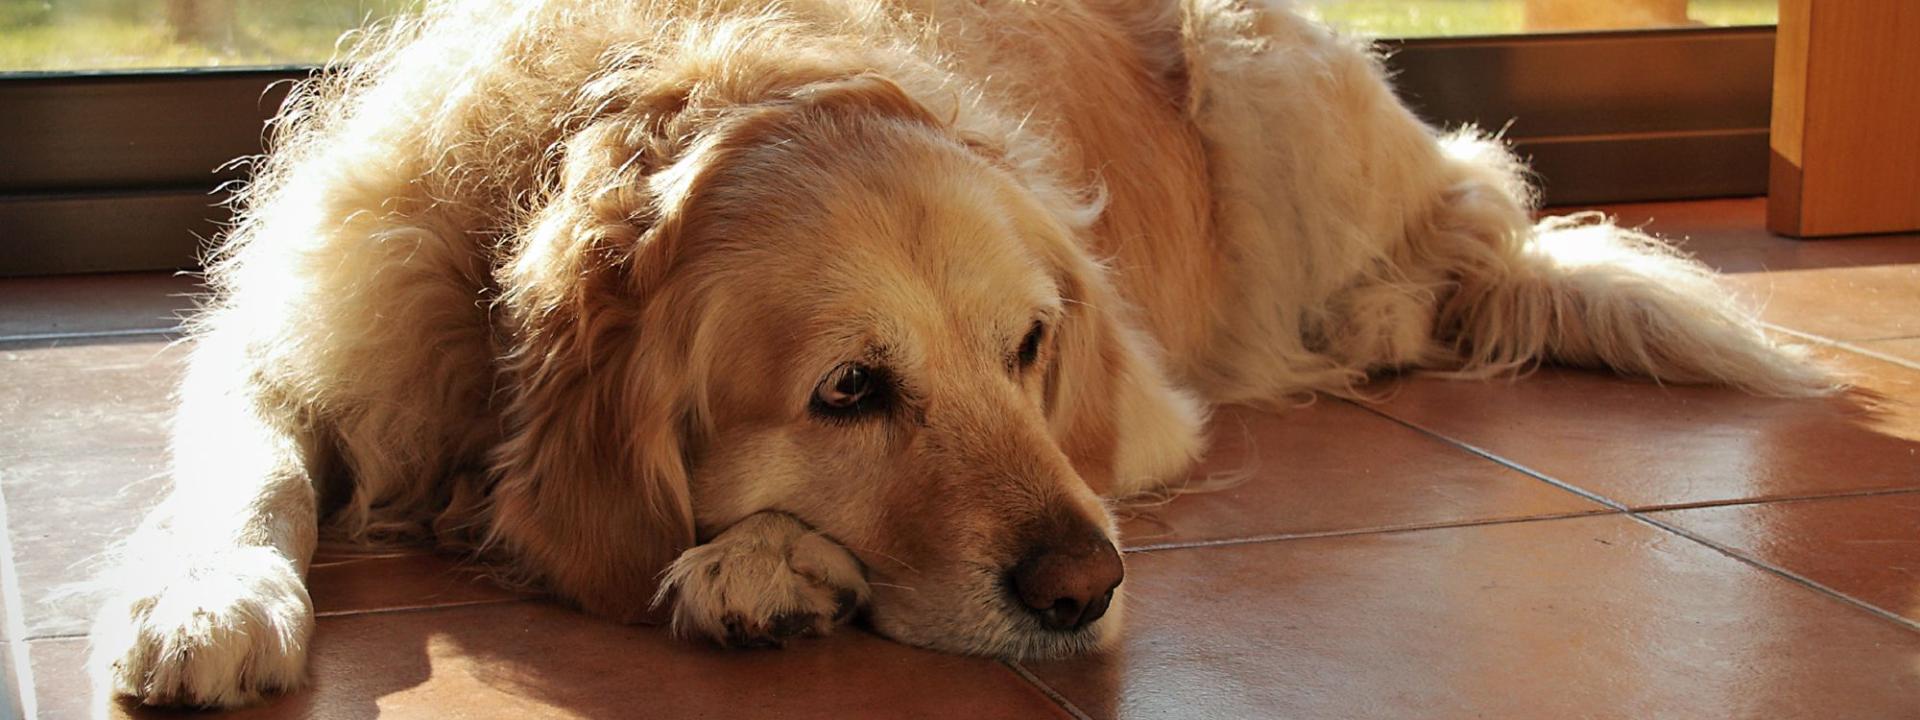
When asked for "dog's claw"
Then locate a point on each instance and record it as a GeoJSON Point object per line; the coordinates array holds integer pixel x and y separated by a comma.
{"type": "Point", "coordinates": [791, 625]}
{"type": "Point", "coordinates": [740, 635]}
{"type": "Point", "coordinates": [844, 603]}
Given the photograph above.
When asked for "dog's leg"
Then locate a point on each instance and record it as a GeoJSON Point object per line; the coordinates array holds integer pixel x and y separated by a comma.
{"type": "Point", "coordinates": [765, 580]}
{"type": "Point", "coordinates": [1315, 168]}
{"type": "Point", "coordinates": [1362, 240]}
{"type": "Point", "coordinates": [209, 606]}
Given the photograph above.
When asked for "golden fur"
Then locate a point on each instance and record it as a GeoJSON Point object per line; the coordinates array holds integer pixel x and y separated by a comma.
{"type": "Point", "coordinates": [554, 282]}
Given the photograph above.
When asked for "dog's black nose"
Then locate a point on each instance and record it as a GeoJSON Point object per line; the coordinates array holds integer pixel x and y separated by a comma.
{"type": "Point", "coordinates": [1068, 586]}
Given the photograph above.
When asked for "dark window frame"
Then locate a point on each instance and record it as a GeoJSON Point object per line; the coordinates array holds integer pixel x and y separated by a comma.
{"type": "Point", "coordinates": [119, 171]}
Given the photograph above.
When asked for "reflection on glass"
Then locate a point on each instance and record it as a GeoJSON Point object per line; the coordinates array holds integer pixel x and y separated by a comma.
{"type": "Point", "coordinates": [1430, 18]}
{"type": "Point", "coordinates": [121, 34]}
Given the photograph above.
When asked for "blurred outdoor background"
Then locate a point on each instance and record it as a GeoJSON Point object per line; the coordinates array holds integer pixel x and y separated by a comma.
{"type": "Point", "coordinates": [126, 34]}
{"type": "Point", "coordinates": [59, 35]}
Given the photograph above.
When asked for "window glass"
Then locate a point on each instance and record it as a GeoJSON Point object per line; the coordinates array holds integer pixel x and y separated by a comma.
{"type": "Point", "coordinates": [54, 35]}
{"type": "Point", "coordinates": [126, 34]}
{"type": "Point", "coordinates": [1434, 18]}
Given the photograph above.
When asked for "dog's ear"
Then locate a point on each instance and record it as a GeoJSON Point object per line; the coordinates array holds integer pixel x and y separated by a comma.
{"type": "Point", "coordinates": [591, 495]}
{"type": "Point", "coordinates": [1123, 424]}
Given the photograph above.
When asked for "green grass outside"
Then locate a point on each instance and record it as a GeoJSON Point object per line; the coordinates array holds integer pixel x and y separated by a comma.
{"type": "Point", "coordinates": [1418, 18]}
{"type": "Point", "coordinates": [39, 35]}
{"type": "Point", "coordinates": [1435, 18]}
{"type": "Point", "coordinates": [125, 34]}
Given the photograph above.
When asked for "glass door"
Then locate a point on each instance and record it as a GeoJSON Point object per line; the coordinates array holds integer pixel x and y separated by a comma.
{"type": "Point", "coordinates": [96, 35]}
{"type": "Point", "coordinates": [1454, 18]}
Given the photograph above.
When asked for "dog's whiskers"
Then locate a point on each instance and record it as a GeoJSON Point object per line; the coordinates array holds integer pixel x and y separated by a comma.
{"type": "Point", "coordinates": [892, 558]}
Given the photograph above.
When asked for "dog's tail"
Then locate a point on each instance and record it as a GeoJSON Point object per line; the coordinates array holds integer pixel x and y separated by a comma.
{"type": "Point", "coordinates": [1580, 290]}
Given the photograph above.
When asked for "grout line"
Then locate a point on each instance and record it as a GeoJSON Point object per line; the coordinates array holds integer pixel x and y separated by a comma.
{"type": "Point", "coordinates": [1839, 495]}
{"type": "Point", "coordinates": [16, 616]}
{"type": "Point", "coordinates": [395, 610]}
{"type": "Point", "coordinates": [355, 559]}
{"type": "Point", "coordinates": [1503, 462]}
{"type": "Point", "coordinates": [1844, 345]}
{"type": "Point", "coordinates": [130, 332]}
{"type": "Point", "coordinates": [419, 608]}
{"type": "Point", "coordinates": [400, 609]}
{"type": "Point", "coordinates": [1389, 530]}
{"type": "Point", "coordinates": [1571, 138]}
{"type": "Point", "coordinates": [1781, 572]}
{"type": "Point", "coordinates": [1046, 689]}
{"type": "Point", "coordinates": [59, 636]}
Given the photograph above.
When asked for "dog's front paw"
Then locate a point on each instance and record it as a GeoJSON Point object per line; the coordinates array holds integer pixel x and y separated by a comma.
{"type": "Point", "coordinates": [766, 580]}
{"type": "Point", "coordinates": [221, 632]}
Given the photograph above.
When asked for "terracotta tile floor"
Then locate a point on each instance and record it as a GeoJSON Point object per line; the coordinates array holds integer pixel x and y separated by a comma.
{"type": "Point", "coordinates": [1564, 545]}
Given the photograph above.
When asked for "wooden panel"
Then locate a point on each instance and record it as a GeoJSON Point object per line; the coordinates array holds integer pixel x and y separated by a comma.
{"type": "Point", "coordinates": [1648, 166]}
{"type": "Point", "coordinates": [106, 232]}
{"type": "Point", "coordinates": [78, 133]}
{"type": "Point", "coordinates": [1846, 118]}
{"type": "Point", "coordinates": [1596, 84]}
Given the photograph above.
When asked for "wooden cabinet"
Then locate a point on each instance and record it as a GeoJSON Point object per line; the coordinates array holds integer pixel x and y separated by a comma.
{"type": "Point", "coordinates": [1846, 118]}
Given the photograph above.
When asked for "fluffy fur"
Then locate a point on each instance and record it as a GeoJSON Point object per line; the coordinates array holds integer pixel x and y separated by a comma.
{"type": "Point", "coordinates": [554, 283]}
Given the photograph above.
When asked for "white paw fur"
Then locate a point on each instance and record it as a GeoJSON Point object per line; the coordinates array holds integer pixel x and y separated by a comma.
{"type": "Point", "coordinates": [227, 630]}
{"type": "Point", "coordinates": [766, 580]}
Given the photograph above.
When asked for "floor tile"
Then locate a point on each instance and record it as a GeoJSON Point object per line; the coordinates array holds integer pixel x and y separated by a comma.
{"type": "Point", "coordinates": [63, 515]}
{"type": "Point", "coordinates": [1870, 302]}
{"type": "Point", "coordinates": [1333, 467]}
{"type": "Point", "coordinates": [84, 455]}
{"type": "Point", "coordinates": [1867, 548]}
{"type": "Point", "coordinates": [112, 303]}
{"type": "Point", "coordinates": [535, 660]}
{"type": "Point", "coordinates": [1646, 445]}
{"type": "Point", "coordinates": [1731, 235]}
{"type": "Point", "coordinates": [81, 397]}
{"type": "Point", "coordinates": [1907, 349]}
{"type": "Point", "coordinates": [1595, 617]}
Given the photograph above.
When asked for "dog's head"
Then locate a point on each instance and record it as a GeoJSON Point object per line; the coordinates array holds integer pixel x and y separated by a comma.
{"type": "Point", "coordinates": [832, 304]}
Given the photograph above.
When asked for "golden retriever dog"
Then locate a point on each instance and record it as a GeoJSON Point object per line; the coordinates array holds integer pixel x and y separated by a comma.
{"type": "Point", "coordinates": [758, 316]}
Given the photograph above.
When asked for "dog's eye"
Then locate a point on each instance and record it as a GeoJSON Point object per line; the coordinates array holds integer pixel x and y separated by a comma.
{"type": "Point", "coordinates": [1030, 345]}
{"type": "Point", "coordinates": [851, 389]}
